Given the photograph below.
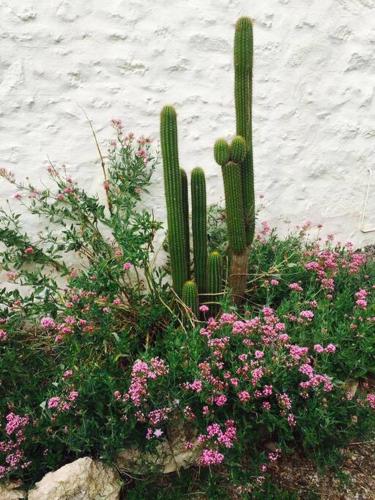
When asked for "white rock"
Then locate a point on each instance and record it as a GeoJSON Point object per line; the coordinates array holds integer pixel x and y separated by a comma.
{"type": "Point", "coordinates": [84, 479]}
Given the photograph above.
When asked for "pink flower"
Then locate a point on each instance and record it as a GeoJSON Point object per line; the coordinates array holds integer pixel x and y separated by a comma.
{"type": "Point", "coordinates": [284, 401]}
{"type": "Point", "coordinates": [361, 298]}
{"type": "Point", "coordinates": [67, 374]}
{"type": "Point", "coordinates": [3, 335]}
{"type": "Point", "coordinates": [296, 287]}
{"type": "Point", "coordinates": [371, 400]}
{"type": "Point", "coordinates": [117, 395]}
{"type": "Point", "coordinates": [53, 402]}
{"type": "Point", "coordinates": [361, 303]}
{"type": "Point", "coordinates": [127, 266]}
{"type": "Point", "coordinates": [298, 352]}
{"type": "Point", "coordinates": [210, 457]}
{"type": "Point", "coordinates": [47, 322]}
{"type": "Point", "coordinates": [330, 348]}
{"type": "Point", "coordinates": [221, 400]}
{"type": "Point", "coordinates": [15, 423]}
{"type": "Point", "coordinates": [73, 395]}
{"type": "Point", "coordinates": [196, 386]}
{"type": "Point", "coordinates": [307, 315]}
{"type": "Point", "coordinates": [203, 308]}
{"type": "Point", "coordinates": [256, 375]}
{"type": "Point", "coordinates": [243, 396]}
{"type": "Point", "coordinates": [318, 348]}
{"type": "Point", "coordinates": [267, 390]}
{"type": "Point", "coordinates": [292, 420]}
{"type": "Point", "coordinates": [29, 250]}
{"type": "Point", "coordinates": [312, 266]}
{"type": "Point", "coordinates": [274, 282]}
{"type": "Point", "coordinates": [259, 354]}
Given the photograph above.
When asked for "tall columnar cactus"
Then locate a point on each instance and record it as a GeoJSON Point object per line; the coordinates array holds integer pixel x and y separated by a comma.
{"type": "Point", "coordinates": [174, 199]}
{"type": "Point", "coordinates": [199, 226]}
{"type": "Point", "coordinates": [190, 296]}
{"type": "Point", "coordinates": [185, 207]}
{"type": "Point", "coordinates": [243, 77]}
{"type": "Point", "coordinates": [215, 279]}
{"type": "Point", "coordinates": [236, 161]}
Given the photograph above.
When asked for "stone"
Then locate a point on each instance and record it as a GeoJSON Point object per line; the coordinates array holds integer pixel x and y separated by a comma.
{"type": "Point", "coordinates": [83, 479]}
{"type": "Point", "coordinates": [11, 491]}
{"type": "Point", "coordinates": [169, 456]}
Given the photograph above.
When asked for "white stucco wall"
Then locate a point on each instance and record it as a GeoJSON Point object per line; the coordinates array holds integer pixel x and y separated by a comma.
{"type": "Point", "coordinates": [314, 97]}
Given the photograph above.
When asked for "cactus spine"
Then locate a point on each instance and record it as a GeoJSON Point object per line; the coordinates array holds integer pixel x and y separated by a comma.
{"type": "Point", "coordinates": [173, 195]}
{"type": "Point", "coordinates": [243, 77]}
{"type": "Point", "coordinates": [199, 227]}
{"type": "Point", "coordinates": [215, 279]}
{"type": "Point", "coordinates": [190, 296]}
{"type": "Point", "coordinates": [185, 207]}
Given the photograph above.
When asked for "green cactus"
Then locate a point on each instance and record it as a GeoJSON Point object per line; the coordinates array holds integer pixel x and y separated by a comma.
{"type": "Point", "coordinates": [215, 280]}
{"type": "Point", "coordinates": [243, 77]}
{"type": "Point", "coordinates": [190, 296]}
{"type": "Point", "coordinates": [199, 226]}
{"type": "Point", "coordinates": [173, 195]}
{"type": "Point", "coordinates": [234, 207]}
{"type": "Point", "coordinates": [221, 152]}
{"type": "Point", "coordinates": [185, 206]}
{"type": "Point", "coordinates": [238, 149]}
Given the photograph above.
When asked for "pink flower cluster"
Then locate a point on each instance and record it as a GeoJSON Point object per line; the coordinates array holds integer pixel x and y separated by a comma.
{"type": "Point", "coordinates": [210, 457]}
{"type": "Point", "coordinates": [11, 448]}
{"type": "Point", "coordinates": [61, 404]}
{"type": "Point", "coordinates": [296, 287]}
{"type": "Point", "coordinates": [308, 315]}
{"type": "Point", "coordinates": [142, 373]}
{"type": "Point", "coordinates": [331, 348]}
{"type": "Point", "coordinates": [361, 297]}
{"type": "Point", "coordinates": [217, 438]}
{"type": "Point", "coordinates": [371, 400]}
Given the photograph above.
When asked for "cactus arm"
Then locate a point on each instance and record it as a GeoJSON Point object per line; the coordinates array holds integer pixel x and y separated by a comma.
{"type": "Point", "coordinates": [221, 152]}
{"type": "Point", "coordinates": [185, 206]}
{"type": "Point", "coordinates": [173, 196]}
{"type": "Point", "coordinates": [243, 77]}
{"type": "Point", "coordinates": [234, 207]}
{"type": "Point", "coordinates": [238, 149]}
{"type": "Point", "coordinates": [199, 226]}
{"type": "Point", "coordinates": [215, 279]}
{"type": "Point", "coordinates": [190, 296]}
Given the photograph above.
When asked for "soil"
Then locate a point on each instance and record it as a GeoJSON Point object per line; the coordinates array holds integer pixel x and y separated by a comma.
{"type": "Point", "coordinates": [356, 480]}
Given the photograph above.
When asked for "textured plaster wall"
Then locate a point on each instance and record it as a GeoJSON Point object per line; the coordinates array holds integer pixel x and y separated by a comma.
{"type": "Point", "coordinates": [314, 102]}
